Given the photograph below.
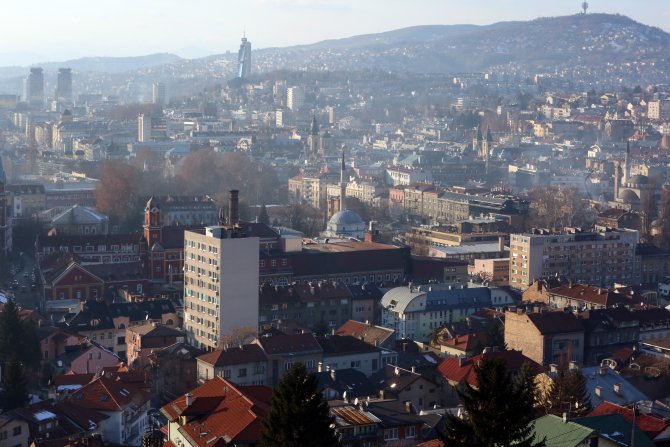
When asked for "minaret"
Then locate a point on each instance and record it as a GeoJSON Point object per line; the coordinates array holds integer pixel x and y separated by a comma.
{"type": "Point", "coordinates": [313, 142]}
{"type": "Point", "coordinates": [626, 164]}
{"type": "Point", "coordinates": [477, 143]}
{"type": "Point", "coordinates": [487, 147]}
{"type": "Point", "coordinates": [343, 186]}
{"type": "Point", "coordinates": [616, 180]}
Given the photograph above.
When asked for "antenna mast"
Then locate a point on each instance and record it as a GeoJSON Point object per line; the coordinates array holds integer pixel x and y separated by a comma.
{"type": "Point", "coordinates": [585, 6]}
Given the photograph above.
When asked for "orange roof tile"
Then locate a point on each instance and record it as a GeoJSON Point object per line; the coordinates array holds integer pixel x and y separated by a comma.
{"type": "Point", "coordinates": [222, 411]}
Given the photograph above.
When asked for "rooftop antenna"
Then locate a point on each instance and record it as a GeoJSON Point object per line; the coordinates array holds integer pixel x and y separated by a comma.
{"type": "Point", "coordinates": [585, 6]}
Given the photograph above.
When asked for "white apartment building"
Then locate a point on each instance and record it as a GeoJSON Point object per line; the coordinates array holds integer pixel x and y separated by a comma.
{"type": "Point", "coordinates": [221, 276]}
{"type": "Point", "coordinates": [600, 257]}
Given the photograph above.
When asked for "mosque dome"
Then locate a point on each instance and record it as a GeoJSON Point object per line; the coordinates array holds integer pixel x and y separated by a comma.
{"type": "Point", "coordinates": [638, 180]}
{"type": "Point", "coordinates": [628, 196]}
{"type": "Point", "coordinates": [346, 217]}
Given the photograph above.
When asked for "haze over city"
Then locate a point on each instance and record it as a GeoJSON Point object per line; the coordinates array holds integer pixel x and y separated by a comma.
{"type": "Point", "coordinates": [42, 31]}
{"type": "Point", "coordinates": [335, 223]}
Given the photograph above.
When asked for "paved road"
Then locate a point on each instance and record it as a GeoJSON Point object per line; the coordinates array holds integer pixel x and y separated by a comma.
{"type": "Point", "coordinates": [25, 295]}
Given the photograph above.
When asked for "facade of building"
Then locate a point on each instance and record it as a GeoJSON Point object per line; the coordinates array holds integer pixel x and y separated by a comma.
{"type": "Point", "coordinates": [598, 257]}
{"type": "Point", "coordinates": [546, 337]}
{"type": "Point", "coordinates": [142, 340]}
{"type": "Point", "coordinates": [415, 312]}
{"type": "Point", "coordinates": [221, 277]}
{"type": "Point", "coordinates": [64, 85]}
{"type": "Point", "coordinates": [35, 87]}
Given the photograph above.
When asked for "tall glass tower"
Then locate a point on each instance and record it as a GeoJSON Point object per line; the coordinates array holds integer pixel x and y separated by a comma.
{"type": "Point", "coordinates": [244, 59]}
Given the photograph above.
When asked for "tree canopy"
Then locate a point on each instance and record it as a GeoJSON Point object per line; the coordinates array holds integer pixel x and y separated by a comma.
{"type": "Point", "coordinates": [568, 394]}
{"type": "Point", "coordinates": [299, 416]}
{"type": "Point", "coordinates": [498, 412]}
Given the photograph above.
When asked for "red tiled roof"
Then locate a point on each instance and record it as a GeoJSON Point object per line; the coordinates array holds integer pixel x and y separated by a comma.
{"type": "Point", "coordinates": [105, 394]}
{"type": "Point", "coordinates": [459, 371]}
{"type": "Point", "coordinates": [367, 332]}
{"type": "Point", "coordinates": [223, 411]}
{"type": "Point", "coordinates": [431, 443]}
{"type": "Point", "coordinates": [650, 425]}
{"type": "Point", "coordinates": [467, 342]}
{"type": "Point", "coordinates": [590, 294]}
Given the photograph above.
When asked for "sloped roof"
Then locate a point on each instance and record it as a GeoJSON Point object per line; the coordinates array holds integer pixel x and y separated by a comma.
{"type": "Point", "coordinates": [651, 425]}
{"type": "Point", "coordinates": [289, 344]}
{"type": "Point", "coordinates": [460, 371]}
{"type": "Point", "coordinates": [222, 411]}
{"type": "Point", "coordinates": [615, 428]}
{"type": "Point", "coordinates": [250, 353]}
{"type": "Point", "coordinates": [371, 334]}
{"type": "Point", "coordinates": [104, 394]}
{"type": "Point", "coordinates": [559, 433]}
{"type": "Point", "coordinates": [555, 322]}
{"type": "Point", "coordinates": [590, 294]}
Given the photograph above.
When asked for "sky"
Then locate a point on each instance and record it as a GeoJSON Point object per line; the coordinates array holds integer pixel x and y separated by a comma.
{"type": "Point", "coordinates": [35, 31]}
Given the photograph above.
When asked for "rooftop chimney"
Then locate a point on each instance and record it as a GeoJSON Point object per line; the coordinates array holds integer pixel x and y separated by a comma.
{"type": "Point", "coordinates": [233, 207]}
{"type": "Point", "coordinates": [189, 399]}
{"type": "Point", "coordinates": [408, 406]}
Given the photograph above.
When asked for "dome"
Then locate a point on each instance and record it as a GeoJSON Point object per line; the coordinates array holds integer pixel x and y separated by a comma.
{"type": "Point", "coordinates": [638, 180]}
{"type": "Point", "coordinates": [346, 217]}
{"type": "Point", "coordinates": [628, 196]}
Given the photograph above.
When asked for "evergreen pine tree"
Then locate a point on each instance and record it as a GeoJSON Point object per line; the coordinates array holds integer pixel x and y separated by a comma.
{"type": "Point", "coordinates": [298, 414]}
{"type": "Point", "coordinates": [263, 216]}
{"type": "Point", "coordinates": [568, 393]}
{"type": "Point", "coordinates": [14, 385]}
{"type": "Point", "coordinates": [498, 412]}
{"type": "Point", "coordinates": [18, 337]}
{"type": "Point", "coordinates": [10, 331]}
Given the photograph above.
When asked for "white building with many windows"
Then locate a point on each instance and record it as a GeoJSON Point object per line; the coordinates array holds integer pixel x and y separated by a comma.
{"type": "Point", "coordinates": [221, 276]}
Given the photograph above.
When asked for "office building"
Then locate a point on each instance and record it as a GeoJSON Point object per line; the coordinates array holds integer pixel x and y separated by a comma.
{"type": "Point", "coordinates": [35, 87]}
{"type": "Point", "coordinates": [143, 128]}
{"type": "Point", "coordinates": [221, 276]}
{"type": "Point", "coordinates": [599, 257]}
{"type": "Point", "coordinates": [244, 59]}
{"type": "Point", "coordinates": [64, 85]}
{"type": "Point", "coordinates": [295, 97]}
{"type": "Point", "coordinates": [158, 94]}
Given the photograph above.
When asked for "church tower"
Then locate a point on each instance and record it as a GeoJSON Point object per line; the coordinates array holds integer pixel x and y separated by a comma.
{"type": "Point", "coordinates": [152, 223]}
{"type": "Point", "coordinates": [313, 138]}
{"type": "Point", "coordinates": [486, 148]}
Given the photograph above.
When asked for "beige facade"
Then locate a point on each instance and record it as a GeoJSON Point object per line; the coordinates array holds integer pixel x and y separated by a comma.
{"type": "Point", "coordinates": [495, 271]}
{"type": "Point", "coordinates": [598, 257]}
{"type": "Point", "coordinates": [543, 338]}
{"type": "Point", "coordinates": [221, 275]}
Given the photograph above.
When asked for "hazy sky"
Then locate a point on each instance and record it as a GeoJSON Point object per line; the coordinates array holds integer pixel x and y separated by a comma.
{"type": "Point", "coordinates": [48, 30]}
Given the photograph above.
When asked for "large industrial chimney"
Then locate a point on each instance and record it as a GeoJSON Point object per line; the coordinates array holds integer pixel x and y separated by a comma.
{"type": "Point", "coordinates": [233, 207]}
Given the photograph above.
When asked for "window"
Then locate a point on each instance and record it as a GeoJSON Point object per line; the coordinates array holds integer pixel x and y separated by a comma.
{"type": "Point", "coordinates": [390, 434]}
{"type": "Point", "coordinates": [410, 432]}
{"type": "Point", "coordinates": [242, 372]}
{"type": "Point", "coordinates": [3, 435]}
{"type": "Point", "coordinates": [226, 374]}
{"type": "Point", "coordinates": [17, 431]}
{"type": "Point", "coordinates": [288, 365]}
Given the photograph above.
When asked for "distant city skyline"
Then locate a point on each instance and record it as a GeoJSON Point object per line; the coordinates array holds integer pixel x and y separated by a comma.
{"type": "Point", "coordinates": [40, 31]}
